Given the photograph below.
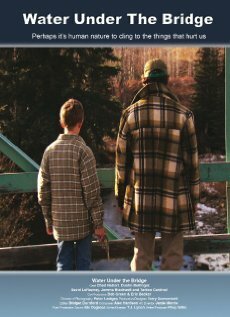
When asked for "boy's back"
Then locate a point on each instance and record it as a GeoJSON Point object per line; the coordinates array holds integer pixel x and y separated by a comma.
{"type": "Point", "coordinates": [69, 192]}
{"type": "Point", "coordinates": [70, 166]}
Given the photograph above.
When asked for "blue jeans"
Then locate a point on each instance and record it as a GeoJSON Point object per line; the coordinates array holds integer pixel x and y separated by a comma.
{"type": "Point", "coordinates": [74, 254]}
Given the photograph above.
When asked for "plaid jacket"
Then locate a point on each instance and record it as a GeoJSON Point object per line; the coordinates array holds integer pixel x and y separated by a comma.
{"type": "Point", "coordinates": [68, 188]}
{"type": "Point", "coordinates": [157, 170]}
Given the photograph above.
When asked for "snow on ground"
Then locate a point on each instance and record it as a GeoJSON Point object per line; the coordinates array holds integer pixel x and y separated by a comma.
{"type": "Point", "coordinates": [113, 216]}
{"type": "Point", "coordinates": [210, 157]}
{"type": "Point", "coordinates": [212, 262]}
{"type": "Point", "coordinates": [203, 209]}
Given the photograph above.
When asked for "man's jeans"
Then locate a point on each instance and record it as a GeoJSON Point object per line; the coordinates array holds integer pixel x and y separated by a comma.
{"type": "Point", "coordinates": [172, 251]}
{"type": "Point", "coordinates": [74, 254]}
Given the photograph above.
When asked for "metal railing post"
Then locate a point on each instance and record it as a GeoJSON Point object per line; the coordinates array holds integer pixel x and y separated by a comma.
{"type": "Point", "coordinates": [19, 157]}
{"type": "Point", "coordinates": [227, 126]}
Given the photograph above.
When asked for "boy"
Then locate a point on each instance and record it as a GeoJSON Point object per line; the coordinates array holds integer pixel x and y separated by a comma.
{"type": "Point", "coordinates": [69, 191]}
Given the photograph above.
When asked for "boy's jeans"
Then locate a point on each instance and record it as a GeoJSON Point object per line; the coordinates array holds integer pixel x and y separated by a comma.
{"type": "Point", "coordinates": [74, 254]}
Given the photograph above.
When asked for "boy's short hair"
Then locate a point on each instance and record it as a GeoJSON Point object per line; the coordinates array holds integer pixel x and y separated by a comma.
{"type": "Point", "coordinates": [71, 113]}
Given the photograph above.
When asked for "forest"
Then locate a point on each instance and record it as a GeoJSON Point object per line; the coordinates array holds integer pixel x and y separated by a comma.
{"type": "Point", "coordinates": [35, 82]}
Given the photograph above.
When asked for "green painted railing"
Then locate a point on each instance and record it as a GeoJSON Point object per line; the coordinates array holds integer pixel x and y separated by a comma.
{"type": "Point", "coordinates": [27, 182]}
{"type": "Point", "coordinates": [20, 158]}
{"type": "Point", "coordinates": [227, 125]}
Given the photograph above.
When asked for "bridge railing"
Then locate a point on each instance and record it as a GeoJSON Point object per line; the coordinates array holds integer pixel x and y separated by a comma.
{"type": "Point", "coordinates": [27, 182]}
{"type": "Point", "coordinates": [40, 255]}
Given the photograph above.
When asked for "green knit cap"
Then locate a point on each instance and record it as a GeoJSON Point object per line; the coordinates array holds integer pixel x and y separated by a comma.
{"type": "Point", "coordinates": [155, 68]}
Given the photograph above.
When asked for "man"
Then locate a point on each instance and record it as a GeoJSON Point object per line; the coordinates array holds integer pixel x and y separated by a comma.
{"type": "Point", "coordinates": [157, 172]}
{"type": "Point", "coordinates": [69, 192]}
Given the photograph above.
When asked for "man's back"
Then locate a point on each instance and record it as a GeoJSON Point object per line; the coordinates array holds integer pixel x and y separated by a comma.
{"type": "Point", "coordinates": [154, 135]}
{"type": "Point", "coordinates": [157, 170]}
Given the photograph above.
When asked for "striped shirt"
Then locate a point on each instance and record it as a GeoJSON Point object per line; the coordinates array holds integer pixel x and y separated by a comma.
{"type": "Point", "coordinates": [68, 188]}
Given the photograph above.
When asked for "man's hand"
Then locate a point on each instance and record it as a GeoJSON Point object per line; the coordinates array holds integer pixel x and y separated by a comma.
{"type": "Point", "coordinates": [49, 231]}
{"type": "Point", "coordinates": [100, 233]}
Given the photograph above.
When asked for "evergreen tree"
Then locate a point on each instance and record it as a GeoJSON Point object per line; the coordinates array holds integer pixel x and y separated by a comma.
{"type": "Point", "coordinates": [35, 82]}
{"type": "Point", "coordinates": [209, 100]}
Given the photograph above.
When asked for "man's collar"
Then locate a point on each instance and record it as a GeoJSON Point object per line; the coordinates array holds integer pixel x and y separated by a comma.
{"type": "Point", "coordinates": [154, 88]}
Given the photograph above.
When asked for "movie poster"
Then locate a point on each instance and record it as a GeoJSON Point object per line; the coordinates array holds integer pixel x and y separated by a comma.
{"type": "Point", "coordinates": [157, 72]}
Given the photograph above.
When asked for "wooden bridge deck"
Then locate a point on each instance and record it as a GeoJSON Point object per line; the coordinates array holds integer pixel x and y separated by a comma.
{"type": "Point", "coordinates": [16, 258]}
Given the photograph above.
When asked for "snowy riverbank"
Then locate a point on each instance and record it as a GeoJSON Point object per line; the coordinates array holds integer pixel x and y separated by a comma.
{"type": "Point", "coordinates": [211, 218]}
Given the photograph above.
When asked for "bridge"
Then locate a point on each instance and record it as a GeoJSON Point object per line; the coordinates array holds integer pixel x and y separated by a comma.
{"type": "Point", "coordinates": [26, 181]}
